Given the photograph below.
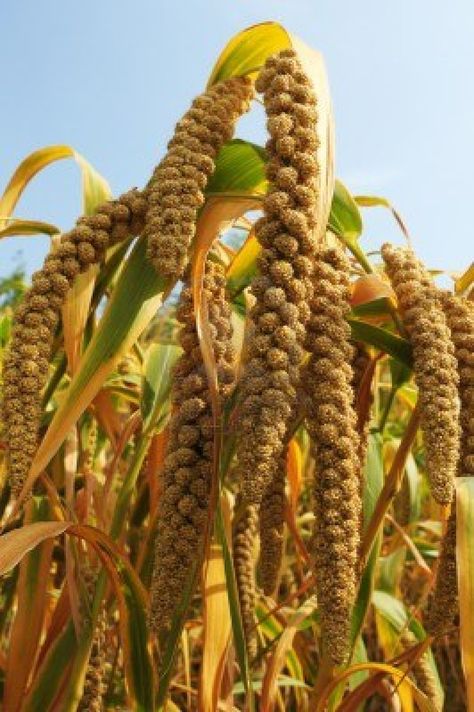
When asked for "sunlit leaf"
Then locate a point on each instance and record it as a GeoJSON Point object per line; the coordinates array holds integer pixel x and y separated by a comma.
{"type": "Point", "coordinates": [240, 168]}
{"type": "Point", "coordinates": [135, 300]}
{"type": "Point", "coordinates": [464, 282]}
{"type": "Point", "coordinates": [95, 188]}
{"type": "Point", "coordinates": [160, 360]}
{"type": "Point", "coordinates": [32, 599]}
{"type": "Point", "coordinates": [15, 544]}
{"type": "Point", "coordinates": [216, 621]}
{"type": "Point", "coordinates": [373, 483]}
{"type": "Point", "coordinates": [345, 219]}
{"type": "Point", "coordinates": [247, 52]}
{"type": "Point", "coordinates": [465, 567]}
{"type": "Point", "coordinates": [18, 227]}
{"type": "Point", "coordinates": [278, 656]}
{"type": "Point", "coordinates": [384, 340]}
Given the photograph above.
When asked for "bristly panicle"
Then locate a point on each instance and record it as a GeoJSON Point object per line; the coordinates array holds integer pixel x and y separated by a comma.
{"type": "Point", "coordinates": [331, 422]}
{"type": "Point", "coordinates": [434, 366]}
{"type": "Point", "coordinates": [443, 604]}
{"type": "Point", "coordinates": [283, 287]}
{"type": "Point", "coordinates": [176, 190]}
{"type": "Point", "coordinates": [187, 469]}
{"type": "Point", "coordinates": [422, 672]}
{"type": "Point", "coordinates": [244, 535]}
{"type": "Point", "coordinates": [272, 524]}
{"type": "Point", "coordinates": [360, 363]}
{"type": "Point", "coordinates": [26, 365]}
{"type": "Point", "coordinates": [94, 688]}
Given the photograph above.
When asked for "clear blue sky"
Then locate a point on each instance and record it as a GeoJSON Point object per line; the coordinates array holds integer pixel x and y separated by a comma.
{"type": "Point", "coordinates": [111, 77]}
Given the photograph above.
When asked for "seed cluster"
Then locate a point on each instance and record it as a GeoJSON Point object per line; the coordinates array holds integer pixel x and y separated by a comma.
{"type": "Point", "coordinates": [187, 468]}
{"type": "Point", "coordinates": [243, 540]}
{"type": "Point", "coordinates": [26, 365]}
{"type": "Point", "coordinates": [360, 363]}
{"type": "Point", "coordinates": [176, 190]}
{"type": "Point", "coordinates": [460, 318]}
{"type": "Point", "coordinates": [94, 688]}
{"type": "Point", "coordinates": [422, 672]}
{"type": "Point", "coordinates": [434, 366]}
{"type": "Point", "coordinates": [272, 522]}
{"type": "Point", "coordinates": [283, 286]}
{"type": "Point", "coordinates": [331, 422]}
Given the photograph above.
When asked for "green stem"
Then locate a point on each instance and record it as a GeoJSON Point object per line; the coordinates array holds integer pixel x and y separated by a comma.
{"type": "Point", "coordinates": [360, 255]}
{"type": "Point", "coordinates": [387, 408]}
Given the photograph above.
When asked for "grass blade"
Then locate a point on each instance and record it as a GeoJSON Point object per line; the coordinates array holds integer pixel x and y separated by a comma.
{"type": "Point", "coordinates": [465, 567]}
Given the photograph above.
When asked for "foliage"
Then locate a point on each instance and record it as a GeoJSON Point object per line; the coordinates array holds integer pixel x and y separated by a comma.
{"type": "Point", "coordinates": [76, 558]}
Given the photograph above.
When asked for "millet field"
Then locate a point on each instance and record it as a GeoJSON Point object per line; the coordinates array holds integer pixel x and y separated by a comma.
{"type": "Point", "coordinates": [236, 450]}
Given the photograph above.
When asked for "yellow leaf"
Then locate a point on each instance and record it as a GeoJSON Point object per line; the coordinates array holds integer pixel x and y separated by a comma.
{"type": "Point", "coordinates": [15, 544]}
{"type": "Point", "coordinates": [75, 313]}
{"type": "Point", "coordinates": [399, 676]}
{"type": "Point", "coordinates": [241, 268]}
{"type": "Point", "coordinates": [217, 215]}
{"type": "Point", "coordinates": [216, 621]}
{"type": "Point", "coordinates": [18, 226]}
{"type": "Point", "coordinates": [277, 660]}
{"type": "Point", "coordinates": [247, 52]}
{"type": "Point", "coordinates": [32, 603]}
{"type": "Point", "coordinates": [95, 188]}
{"type": "Point", "coordinates": [465, 280]}
{"type": "Point", "coordinates": [294, 460]}
{"type": "Point", "coordinates": [465, 567]}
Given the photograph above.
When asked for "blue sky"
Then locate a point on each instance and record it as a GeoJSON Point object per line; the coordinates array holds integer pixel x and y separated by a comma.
{"type": "Point", "coordinates": [111, 78]}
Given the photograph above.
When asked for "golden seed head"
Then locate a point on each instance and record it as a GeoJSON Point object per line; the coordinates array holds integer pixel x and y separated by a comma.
{"type": "Point", "coordinates": [185, 170]}
{"type": "Point", "coordinates": [34, 327]}
{"type": "Point", "coordinates": [433, 349]}
{"type": "Point", "coordinates": [244, 532]}
{"type": "Point", "coordinates": [422, 672]}
{"type": "Point", "coordinates": [280, 290]}
{"type": "Point", "coordinates": [272, 522]}
{"type": "Point", "coordinates": [187, 470]}
{"type": "Point", "coordinates": [331, 425]}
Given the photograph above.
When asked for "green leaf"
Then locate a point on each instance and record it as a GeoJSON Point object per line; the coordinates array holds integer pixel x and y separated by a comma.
{"type": "Point", "coordinates": [159, 364]}
{"type": "Point", "coordinates": [373, 484]}
{"type": "Point", "coordinates": [240, 168]}
{"type": "Point", "coordinates": [345, 219]}
{"type": "Point", "coordinates": [134, 302]}
{"type": "Point", "coordinates": [376, 307]}
{"type": "Point", "coordinates": [383, 340]}
{"type": "Point", "coordinates": [134, 631]}
{"type": "Point", "coordinates": [47, 680]}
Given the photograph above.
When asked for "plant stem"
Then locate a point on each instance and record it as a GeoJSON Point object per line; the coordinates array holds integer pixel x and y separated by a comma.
{"type": "Point", "coordinates": [360, 255]}
{"type": "Point", "coordinates": [391, 486]}
{"type": "Point", "coordinates": [325, 676]}
{"type": "Point", "coordinates": [387, 408]}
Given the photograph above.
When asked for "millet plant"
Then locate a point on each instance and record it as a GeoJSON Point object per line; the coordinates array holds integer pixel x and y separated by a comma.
{"type": "Point", "coordinates": [236, 452]}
